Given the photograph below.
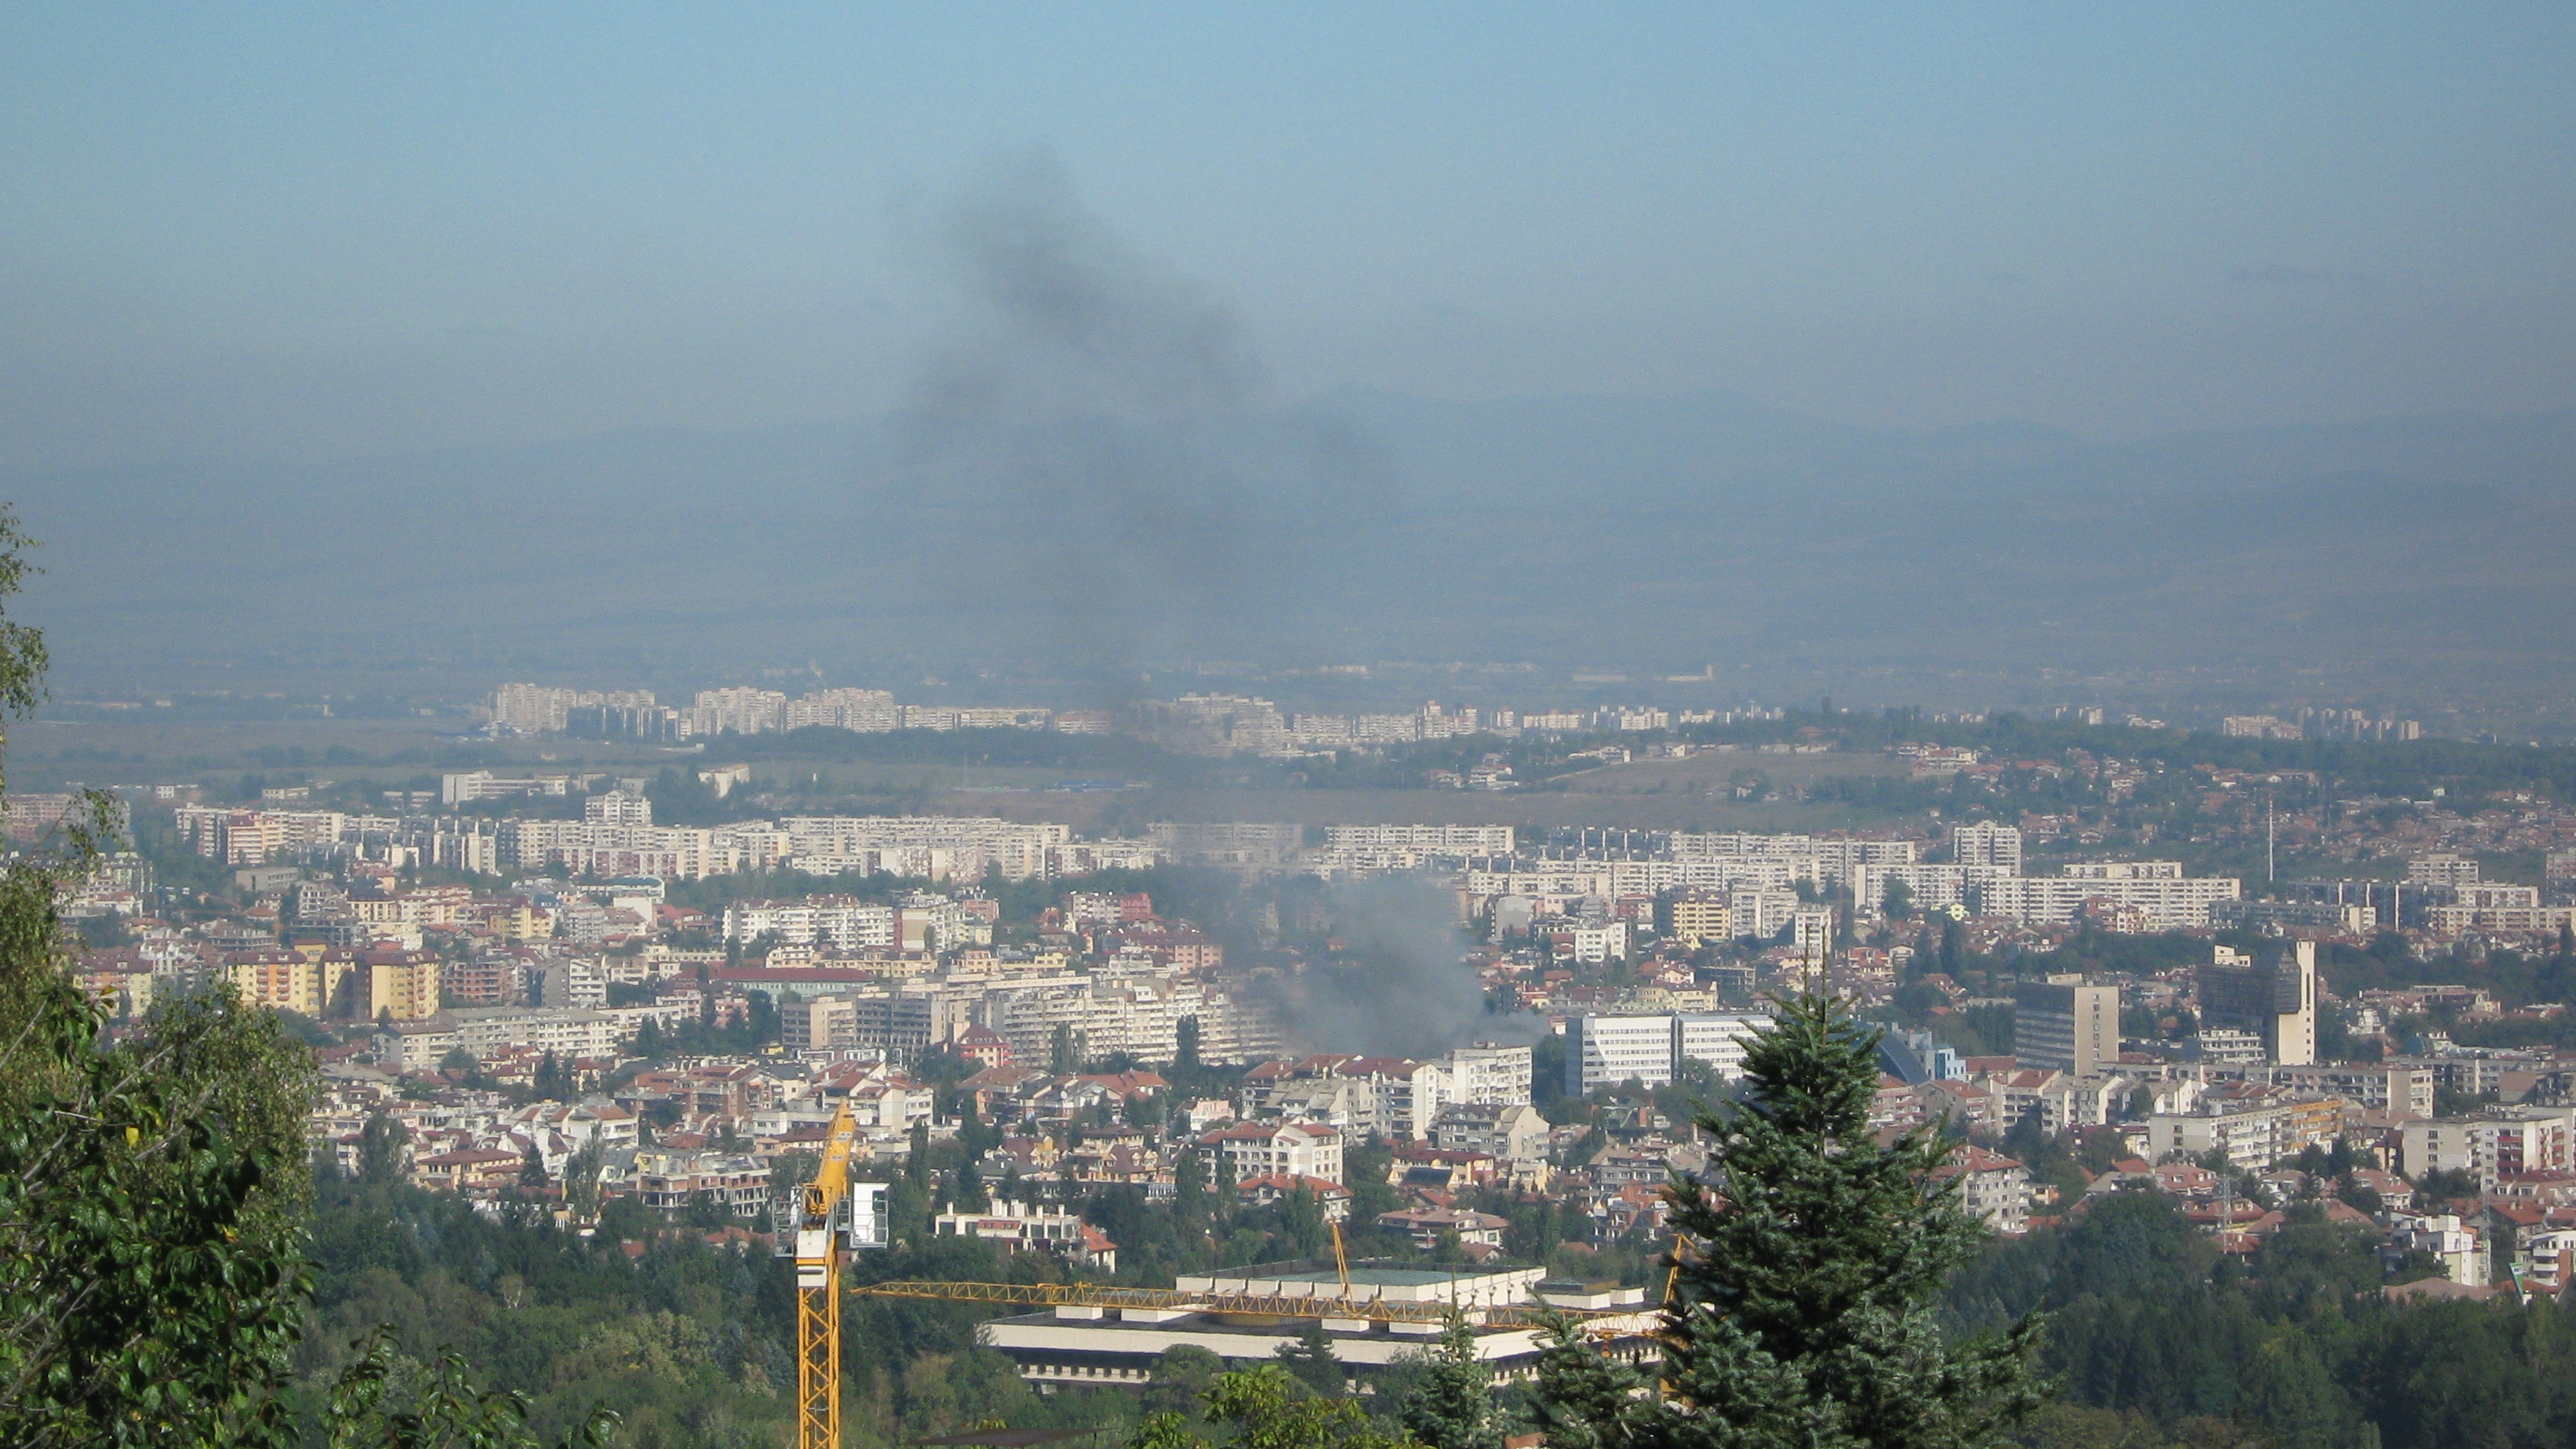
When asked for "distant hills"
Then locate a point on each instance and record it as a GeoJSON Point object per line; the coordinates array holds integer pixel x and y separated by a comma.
{"type": "Point", "coordinates": [1648, 533]}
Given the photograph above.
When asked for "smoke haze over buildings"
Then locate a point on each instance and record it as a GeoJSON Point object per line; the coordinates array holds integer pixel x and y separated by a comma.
{"type": "Point", "coordinates": [1404, 991]}
{"type": "Point", "coordinates": [1087, 425]}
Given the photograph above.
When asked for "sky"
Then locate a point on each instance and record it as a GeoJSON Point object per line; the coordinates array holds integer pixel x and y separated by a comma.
{"type": "Point", "coordinates": [301, 233]}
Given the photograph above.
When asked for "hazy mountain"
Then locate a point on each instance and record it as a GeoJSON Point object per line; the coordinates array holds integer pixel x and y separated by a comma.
{"type": "Point", "coordinates": [1654, 532]}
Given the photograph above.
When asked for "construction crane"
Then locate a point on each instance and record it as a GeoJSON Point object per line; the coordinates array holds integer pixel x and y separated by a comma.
{"type": "Point", "coordinates": [1268, 1305]}
{"type": "Point", "coordinates": [812, 1227]}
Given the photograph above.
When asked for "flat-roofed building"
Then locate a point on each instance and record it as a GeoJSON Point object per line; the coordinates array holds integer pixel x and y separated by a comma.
{"type": "Point", "coordinates": [2064, 1023]}
{"type": "Point", "coordinates": [1103, 1347]}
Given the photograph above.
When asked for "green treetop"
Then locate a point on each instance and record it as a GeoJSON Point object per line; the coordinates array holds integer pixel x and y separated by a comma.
{"type": "Point", "coordinates": [1810, 1259]}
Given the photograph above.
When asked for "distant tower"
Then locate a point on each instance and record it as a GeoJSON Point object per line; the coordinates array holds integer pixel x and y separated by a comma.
{"type": "Point", "coordinates": [2275, 999]}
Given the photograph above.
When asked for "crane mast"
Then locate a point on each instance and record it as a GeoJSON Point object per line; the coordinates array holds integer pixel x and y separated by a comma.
{"type": "Point", "coordinates": [812, 1227]}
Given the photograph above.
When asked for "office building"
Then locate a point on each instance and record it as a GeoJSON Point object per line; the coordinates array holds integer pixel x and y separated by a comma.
{"type": "Point", "coordinates": [2063, 1023]}
{"type": "Point", "coordinates": [2273, 998]}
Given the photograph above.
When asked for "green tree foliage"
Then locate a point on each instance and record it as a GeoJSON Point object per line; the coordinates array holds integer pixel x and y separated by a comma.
{"type": "Point", "coordinates": [1585, 1400]}
{"type": "Point", "coordinates": [1182, 1376]}
{"type": "Point", "coordinates": [1267, 1409]}
{"type": "Point", "coordinates": [1310, 1361]}
{"type": "Point", "coordinates": [1804, 1311]}
{"type": "Point", "coordinates": [1442, 1396]}
{"type": "Point", "coordinates": [372, 1408]}
{"type": "Point", "coordinates": [2152, 1330]}
{"type": "Point", "coordinates": [154, 1197]}
{"type": "Point", "coordinates": [151, 1193]}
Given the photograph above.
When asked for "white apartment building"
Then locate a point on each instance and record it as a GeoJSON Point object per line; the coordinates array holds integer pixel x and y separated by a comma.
{"type": "Point", "coordinates": [617, 807]}
{"type": "Point", "coordinates": [1428, 839]}
{"type": "Point", "coordinates": [2510, 1140]}
{"type": "Point", "coordinates": [1488, 1074]}
{"type": "Point", "coordinates": [863, 710]}
{"type": "Point", "coordinates": [1603, 1051]}
{"type": "Point", "coordinates": [1260, 1149]}
{"type": "Point", "coordinates": [1988, 844]}
{"type": "Point", "coordinates": [841, 922]}
{"type": "Point", "coordinates": [743, 711]}
{"type": "Point", "coordinates": [1717, 1038]}
{"type": "Point", "coordinates": [483, 1031]}
{"type": "Point", "coordinates": [2254, 1137]}
{"type": "Point", "coordinates": [2168, 902]}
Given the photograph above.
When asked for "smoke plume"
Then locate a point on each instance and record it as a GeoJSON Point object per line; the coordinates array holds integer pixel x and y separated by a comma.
{"type": "Point", "coordinates": [1399, 986]}
{"type": "Point", "coordinates": [1089, 427]}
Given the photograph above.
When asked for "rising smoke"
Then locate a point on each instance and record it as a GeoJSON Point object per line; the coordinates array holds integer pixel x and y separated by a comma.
{"type": "Point", "coordinates": [1398, 986]}
{"type": "Point", "coordinates": [1117, 490]}
{"type": "Point", "coordinates": [1090, 423]}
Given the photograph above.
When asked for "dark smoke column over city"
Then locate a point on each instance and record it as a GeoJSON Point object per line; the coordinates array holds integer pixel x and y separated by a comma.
{"type": "Point", "coordinates": [1088, 428]}
{"type": "Point", "coordinates": [1398, 987]}
{"type": "Point", "coordinates": [1091, 425]}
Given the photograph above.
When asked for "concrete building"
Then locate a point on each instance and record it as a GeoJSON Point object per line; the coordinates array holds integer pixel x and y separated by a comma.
{"type": "Point", "coordinates": [2274, 998]}
{"type": "Point", "coordinates": [1700, 917]}
{"type": "Point", "coordinates": [1986, 843]}
{"type": "Point", "coordinates": [2506, 1141]}
{"type": "Point", "coordinates": [1259, 1149]}
{"type": "Point", "coordinates": [1603, 1051]}
{"type": "Point", "coordinates": [1099, 1347]}
{"type": "Point", "coordinates": [2254, 1136]}
{"type": "Point", "coordinates": [2068, 1025]}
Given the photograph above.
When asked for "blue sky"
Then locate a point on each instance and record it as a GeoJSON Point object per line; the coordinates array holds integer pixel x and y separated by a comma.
{"type": "Point", "coordinates": [291, 231]}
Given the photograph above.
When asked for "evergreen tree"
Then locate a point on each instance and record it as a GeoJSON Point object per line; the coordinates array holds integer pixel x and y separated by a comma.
{"type": "Point", "coordinates": [532, 1168]}
{"type": "Point", "coordinates": [916, 1162]}
{"type": "Point", "coordinates": [1810, 1261]}
{"type": "Point", "coordinates": [968, 1192]}
{"type": "Point", "coordinates": [1310, 1361]}
{"type": "Point", "coordinates": [380, 1146]}
{"type": "Point", "coordinates": [1452, 1405]}
{"type": "Point", "coordinates": [1585, 1399]}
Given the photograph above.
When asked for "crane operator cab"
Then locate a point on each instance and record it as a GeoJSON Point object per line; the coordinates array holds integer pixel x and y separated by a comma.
{"type": "Point", "coordinates": [858, 1216]}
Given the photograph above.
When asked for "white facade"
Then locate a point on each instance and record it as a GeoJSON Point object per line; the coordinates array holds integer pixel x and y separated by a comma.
{"type": "Point", "coordinates": [1603, 1051]}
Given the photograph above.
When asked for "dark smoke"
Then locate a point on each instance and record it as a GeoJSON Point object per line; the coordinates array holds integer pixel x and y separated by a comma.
{"type": "Point", "coordinates": [1090, 432]}
{"type": "Point", "coordinates": [1405, 990]}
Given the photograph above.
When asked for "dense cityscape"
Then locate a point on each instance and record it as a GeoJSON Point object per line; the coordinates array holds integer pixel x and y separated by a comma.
{"type": "Point", "coordinates": [1317, 727]}
{"type": "Point", "coordinates": [1208, 1049]}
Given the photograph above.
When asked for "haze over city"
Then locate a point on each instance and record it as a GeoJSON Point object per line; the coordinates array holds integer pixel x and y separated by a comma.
{"type": "Point", "coordinates": [1181, 727]}
{"type": "Point", "coordinates": [1772, 327]}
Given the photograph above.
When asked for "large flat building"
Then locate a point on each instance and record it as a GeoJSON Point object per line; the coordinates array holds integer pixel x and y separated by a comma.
{"type": "Point", "coordinates": [1098, 1346]}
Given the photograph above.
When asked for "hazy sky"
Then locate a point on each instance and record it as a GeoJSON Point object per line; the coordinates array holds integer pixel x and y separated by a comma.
{"type": "Point", "coordinates": [303, 232]}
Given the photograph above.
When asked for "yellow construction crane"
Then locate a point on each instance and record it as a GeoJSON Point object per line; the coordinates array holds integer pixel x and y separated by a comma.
{"type": "Point", "coordinates": [812, 1227]}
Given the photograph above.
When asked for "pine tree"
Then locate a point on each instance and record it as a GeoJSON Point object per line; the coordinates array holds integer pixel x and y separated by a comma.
{"type": "Point", "coordinates": [1311, 1362]}
{"type": "Point", "coordinates": [1810, 1262]}
{"type": "Point", "coordinates": [1452, 1406]}
{"type": "Point", "coordinates": [1585, 1399]}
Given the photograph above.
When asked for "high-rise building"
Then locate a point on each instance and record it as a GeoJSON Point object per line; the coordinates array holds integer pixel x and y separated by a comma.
{"type": "Point", "coordinates": [1986, 843]}
{"type": "Point", "coordinates": [2064, 1023]}
{"type": "Point", "coordinates": [1700, 917]}
{"type": "Point", "coordinates": [2274, 997]}
{"type": "Point", "coordinates": [1604, 1051]}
